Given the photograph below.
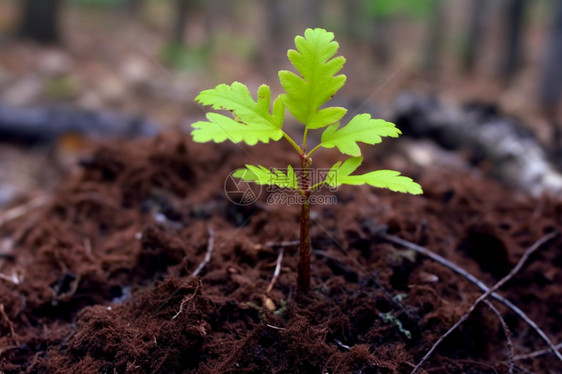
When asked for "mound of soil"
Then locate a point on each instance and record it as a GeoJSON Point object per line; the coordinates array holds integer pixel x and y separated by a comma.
{"type": "Point", "coordinates": [101, 280]}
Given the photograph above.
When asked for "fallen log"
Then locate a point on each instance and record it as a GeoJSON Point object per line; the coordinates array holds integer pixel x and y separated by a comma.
{"type": "Point", "coordinates": [30, 126]}
{"type": "Point", "coordinates": [517, 157]}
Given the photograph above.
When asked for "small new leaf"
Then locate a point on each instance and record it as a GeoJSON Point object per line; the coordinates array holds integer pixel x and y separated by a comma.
{"type": "Point", "coordinates": [318, 84]}
{"type": "Point", "coordinates": [252, 121]}
{"type": "Point", "coordinates": [362, 128]}
{"type": "Point", "coordinates": [261, 175]}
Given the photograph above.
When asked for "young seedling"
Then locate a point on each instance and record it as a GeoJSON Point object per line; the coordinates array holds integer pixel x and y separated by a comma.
{"type": "Point", "coordinates": [259, 121]}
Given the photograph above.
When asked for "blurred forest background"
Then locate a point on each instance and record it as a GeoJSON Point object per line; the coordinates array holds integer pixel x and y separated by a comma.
{"type": "Point", "coordinates": [151, 57]}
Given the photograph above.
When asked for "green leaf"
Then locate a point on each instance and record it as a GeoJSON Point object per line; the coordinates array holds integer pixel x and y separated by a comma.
{"type": "Point", "coordinates": [362, 128]}
{"type": "Point", "coordinates": [314, 61]}
{"type": "Point", "coordinates": [339, 170]}
{"type": "Point", "coordinates": [220, 128]}
{"type": "Point", "coordinates": [252, 121]}
{"type": "Point", "coordinates": [261, 175]}
{"type": "Point", "coordinates": [390, 179]}
{"type": "Point", "coordinates": [340, 174]}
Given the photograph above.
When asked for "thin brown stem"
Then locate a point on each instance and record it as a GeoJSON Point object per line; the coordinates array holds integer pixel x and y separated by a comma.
{"type": "Point", "coordinates": [276, 272]}
{"type": "Point", "coordinates": [507, 333]}
{"type": "Point", "coordinates": [210, 246]}
{"type": "Point", "coordinates": [538, 353]}
{"type": "Point", "coordinates": [303, 274]}
{"type": "Point", "coordinates": [293, 143]}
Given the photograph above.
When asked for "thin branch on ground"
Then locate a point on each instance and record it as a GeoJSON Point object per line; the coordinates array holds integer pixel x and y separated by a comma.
{"type": "Point", "coordinates": [88, 248]}
{"type": "Point", "coordinates": [185, 300]}
{"type": "Point", "coordinates": [471, 278]}
{"type": "Point", "coordinates": [210, 247]}
{"type": "Point", "coordinates": [276, 272]}
{"type": "Point", "coordinates": [291, 243]}
{"type": "Point", "coordinates": [507, 333]}
{"type": "Point", "coordinates": [523, 370]}
{"type": "Point", "coordinates": [14, 278]}
{"type": "Point", "coordinates": [284, 244]}
{"type": "Point", "coordinates": [8, 321]}
{"type": "Point", "coordinates": [22, 210]}
{"type": "Point", "coordinates": [535, 354]}
{"type": "Point", "coordinates": [274, 327]}
{"type": "Point", "coordinates": [344, 346]}
{"type": "Point", "coordinates": [502, 281]}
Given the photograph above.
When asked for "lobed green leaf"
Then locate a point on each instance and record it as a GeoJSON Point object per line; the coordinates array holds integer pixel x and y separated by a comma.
{"type": "Point", "coordinates": [219, 128]}
{"type": "Point", "coordinates": [261, 175]}
{"type": "Point", "coordinates": [362, 128]}
{"type": "Point", "coordinates": [340, 174]}
{"type": "Point", "coordinates": [314, 61]}
{"type": "Point", "coordinates": [342, 170]}
{"type": "Point", "coordinates": [252, 121]}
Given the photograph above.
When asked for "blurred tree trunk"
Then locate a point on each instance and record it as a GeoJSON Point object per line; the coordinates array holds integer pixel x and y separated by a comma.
{"type": "Point", "coordinates": [273, 40]}
{"type": "Point", "coordinates": [474, 34]}
{"type": "Point", "coordinates": [434, 44]}
{"type": "Point", "coordinates": [275, 21]}
{"type": "Point", "coordinates": [134, 6]}
{"type": "Point", "coordinates": [514, 20]}
{"type": "Point", "coordinates": [276, 28]}
{"type": "Point", "coordinates": [178, 31]}
{"type": "Point", "coordinates": [313, 13]}
{"type": "Point", "coordinates": [40, 20]}
{"type": "Point", "coordinates": [214, 15]}
{"type": "Point", "coordinates": [352, 18]}
{"type": "Point", "coordinates": [552, 73]}
{"type": "Point", "coordinates": [551, 85]}
{"type": "Point", "coordinates": [381, 43]}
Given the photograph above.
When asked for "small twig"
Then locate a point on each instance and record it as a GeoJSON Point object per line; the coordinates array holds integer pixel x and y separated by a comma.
{"type": "Point", "coordinates": [471, 278]}
{"type": "Point", "coordinates": [10, 324]}
{"type": "Point", "coordinates": [23, 209]}
{"type": "Point", "coordinates": [274, 327]}
{"type": "Point", "coordinates": [523, 370]}
{"type": "Point", "coordinates": [210, 246]}
{"type": "Point", "coordinates": [88, 248]}
{"type": "Point", "coordinates": [536, 353]}
{"type": "Point", "coordinates": [344, 346]}
{"type": "Point", "coordinates": [65, 296]}
{"type": "Point", "coordinates": [292, 243]}
{"type": "Point", "coordinates": [502, 281]}
{"type": "Point", "coordinates": [185, 300]}
{"type": "Point", "coordinates": [276, 272]}
{"type": "Point", "coordinates": [14, 279]}
{"type": "Point", "coordinates": [507, 333]}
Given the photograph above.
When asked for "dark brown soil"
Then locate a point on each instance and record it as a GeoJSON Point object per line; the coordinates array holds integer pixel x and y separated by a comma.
{"type": "Point", "coordinates": [105, 287]}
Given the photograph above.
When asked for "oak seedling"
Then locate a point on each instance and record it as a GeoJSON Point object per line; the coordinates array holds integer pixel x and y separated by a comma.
{"type": "Point", "coordinates": [305, 95]}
